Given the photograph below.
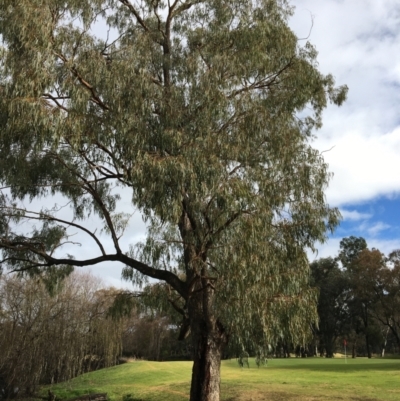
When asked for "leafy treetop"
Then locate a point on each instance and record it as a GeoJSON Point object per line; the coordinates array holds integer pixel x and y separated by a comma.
{"type": "Point", "coordinates": [204, 110]}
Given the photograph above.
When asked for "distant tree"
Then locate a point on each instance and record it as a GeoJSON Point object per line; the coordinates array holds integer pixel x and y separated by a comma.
{"type": "Point", "coordinates": [350, 247]}
{"type": "Point", "coordinates": [358, 301]}
{"type": "Point", "coordinates": [146, 336]}
{"type": "Point", "coordinates": [387, 295]}
{"type": "Point", "coordinates": [202, 113]}
{"type": "Point", "coordinates": [47, 338]}
{"type": "Point", "coordinates": [334, 292]}
{"type": "Point", "coordinates": [363, 272]}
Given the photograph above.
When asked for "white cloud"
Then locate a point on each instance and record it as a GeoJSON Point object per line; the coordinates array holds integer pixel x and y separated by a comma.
{"type": "Point", "coordinates": [357, 42]}
{"type": "Point", "coordinates": [377, 228]}
{"type": "Point", "coordinates": [110, 275]}
{"type": "Point", "coordinates": [353, 215]}
{"type": "Point", "coordinates": [385, 246]}
{"type": "Point", "coordinates": [364, 167]}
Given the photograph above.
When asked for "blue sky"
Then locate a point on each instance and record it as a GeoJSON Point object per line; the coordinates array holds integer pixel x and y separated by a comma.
{"type": "Point", "coordinates": [358, 43]}
{"type": "Point", "coordinates": [376, 219]}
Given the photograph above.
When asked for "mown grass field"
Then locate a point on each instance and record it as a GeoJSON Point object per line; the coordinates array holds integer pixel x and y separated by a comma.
{"type": "Point", "coordinates": [308, 379]}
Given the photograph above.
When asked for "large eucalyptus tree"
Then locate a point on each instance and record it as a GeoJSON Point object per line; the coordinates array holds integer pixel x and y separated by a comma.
{"type": "Point", "coordinates": [204, 110]}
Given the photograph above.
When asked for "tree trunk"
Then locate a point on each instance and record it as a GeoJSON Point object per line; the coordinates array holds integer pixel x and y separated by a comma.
{"type": "Point", "coordinates": [365, 319]}
{"type": "Point", "coordinates": [385, 343]}
{"type": "Point", "coordinates": [208, 334]}
{"type": "Point", "coordinates": [209, 339]}
{"type": "Point", "coordinates": [353, 350]}
{"type": "Point", "coordinates": [386, 337]}
{"type": "Point", "coordinates": [208, 349]}
{"type": "Point", "coordinates": [330, 347]}
{"type": "Point", "coordinates": [368, 346]}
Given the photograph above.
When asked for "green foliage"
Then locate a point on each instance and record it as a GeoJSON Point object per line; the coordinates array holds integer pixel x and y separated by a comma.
{"type": "Point", "coordinates": [358, 301]}
{"type": "Point", "coordinates": [205, 113]}
{"type": "Point", "coordinates": [350, 247]}
{"type": "Point", "coordinates": [334, 294]}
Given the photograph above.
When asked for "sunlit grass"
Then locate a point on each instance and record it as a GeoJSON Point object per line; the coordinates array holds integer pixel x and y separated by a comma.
{"type": "Point", "coordinates": [308, 379]}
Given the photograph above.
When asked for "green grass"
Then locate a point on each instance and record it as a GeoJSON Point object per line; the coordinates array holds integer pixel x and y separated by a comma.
{"type": "Point", "coordinates": [308, 379]}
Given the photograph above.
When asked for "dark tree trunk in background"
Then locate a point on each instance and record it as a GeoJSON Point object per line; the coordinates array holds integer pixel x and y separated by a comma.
{"type": "Point", "coordinates": [368, 346]}
{"type": "Point", "coordinates": [366, 324]}
{"type": "Point", "coordinates": [329, 343]}
{"type": "Point", "coordinates": [396, 336]}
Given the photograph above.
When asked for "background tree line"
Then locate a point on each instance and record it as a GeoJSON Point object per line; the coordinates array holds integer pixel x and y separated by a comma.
{"type": "Point", "coordinates": [51, 335]}
{"type": "Point", "coordinates": [56, 327]}
{"type": "Point", "coordinates": [359, 300]}
{"type": "Point", "coordinates": [358, 303]}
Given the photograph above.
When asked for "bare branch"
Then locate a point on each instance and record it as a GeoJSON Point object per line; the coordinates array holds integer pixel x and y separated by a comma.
{"type": "Point", "coordinates": [56, 100]}
{"type": "Point", "coordinates": [37, 249]}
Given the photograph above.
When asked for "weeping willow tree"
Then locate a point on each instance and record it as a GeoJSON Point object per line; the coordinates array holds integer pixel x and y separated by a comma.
{"type": "Point", "coordinates": [203, 113]}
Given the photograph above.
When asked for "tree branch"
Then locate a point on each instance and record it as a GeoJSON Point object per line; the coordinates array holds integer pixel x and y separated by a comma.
{"type": "Point", "coordinates": [163, 275]}
{"type": "Point", "coordinates": [95, 97]}
{"type": "Point", "coordinates": [48, 217]}
{"type": "Point", "coordinates": [132, 9]}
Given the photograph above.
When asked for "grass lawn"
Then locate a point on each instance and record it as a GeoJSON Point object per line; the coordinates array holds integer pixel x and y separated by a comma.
{"type": "Point", "coordinates": [308, 379]}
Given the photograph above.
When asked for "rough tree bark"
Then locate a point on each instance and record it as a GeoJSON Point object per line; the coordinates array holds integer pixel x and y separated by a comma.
{"type": "Point", "coordinates": [209, 339]}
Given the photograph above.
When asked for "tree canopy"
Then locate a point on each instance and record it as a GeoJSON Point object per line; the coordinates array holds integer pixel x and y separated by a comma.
{"type": "Point", "coordinates": [205, 112]}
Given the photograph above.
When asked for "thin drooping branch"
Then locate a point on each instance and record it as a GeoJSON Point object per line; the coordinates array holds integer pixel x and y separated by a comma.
{"type": "Point", "coordinates": [56, 99]}
{"type": "Point", "coordinates": [95, 97]}
{"type": "Point", "coordinates": [41, 216]}
{"type": "Point", "coordinates": [115, 163]}
{"type": "Point", "coordinates": [103, 170]}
